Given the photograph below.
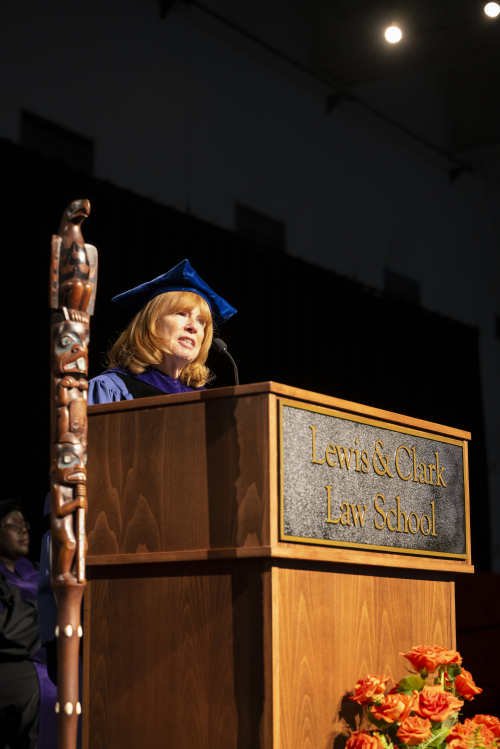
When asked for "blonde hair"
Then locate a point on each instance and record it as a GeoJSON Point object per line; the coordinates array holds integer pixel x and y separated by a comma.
{"type": "Point", "coordinates": [140, 347]}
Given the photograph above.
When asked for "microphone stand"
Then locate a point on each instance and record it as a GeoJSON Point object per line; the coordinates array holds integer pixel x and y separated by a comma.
{"type": "Point", "coordinates": [219, 346]}
{"type": "Point", "coordinates": [236, 378]}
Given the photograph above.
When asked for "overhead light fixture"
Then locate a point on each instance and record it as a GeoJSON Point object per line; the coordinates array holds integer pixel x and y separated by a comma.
{"type": "Point", "coordinates": [393, 34]}
{"type": "Point", "coordinates": [492, 9]}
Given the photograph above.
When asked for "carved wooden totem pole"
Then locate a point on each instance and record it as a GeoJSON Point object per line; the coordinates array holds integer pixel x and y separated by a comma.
{"type": "Point", "coordinates": [73, 281]}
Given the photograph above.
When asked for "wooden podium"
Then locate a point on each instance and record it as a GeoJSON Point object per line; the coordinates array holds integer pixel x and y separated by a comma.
{"type": "Point", "coordinates": [202, 630]}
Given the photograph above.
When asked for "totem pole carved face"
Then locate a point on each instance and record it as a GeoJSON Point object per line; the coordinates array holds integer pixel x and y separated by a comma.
{"type": "Point", "coordinates": [68, 464]}
{"type": "Point", "coordinates": [69, 350]}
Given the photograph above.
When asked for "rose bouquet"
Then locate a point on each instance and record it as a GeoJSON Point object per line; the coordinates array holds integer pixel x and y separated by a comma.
{"type": "Point", "coordinates": [422, 712]}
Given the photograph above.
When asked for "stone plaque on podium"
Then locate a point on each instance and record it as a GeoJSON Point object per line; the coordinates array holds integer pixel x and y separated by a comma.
{"type": "Point", "coordinates": [355, 482]}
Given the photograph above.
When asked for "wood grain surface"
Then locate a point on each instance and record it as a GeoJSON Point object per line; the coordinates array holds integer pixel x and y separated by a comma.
{"type": "Point", "coordinates": [331, 628]}
{"type": "Point", "coordinates": [289, 551]}
{"type": "Point", "coordinates": [86, 664]}
{"type": "Point", "coordinates": [202, 630]}
{"type": "Point", "coordinates": [247, 653]}
{"type": "Point", "coordinates": [192, 479]}
{"type": "Point", "coordinates": [177, 657]}
{"type": "Point", "coordinates": [190, 476]}
{"type": "Point", "coordinates": [278, 389]}
{"type": "Point", "coordinates": [370, 558]}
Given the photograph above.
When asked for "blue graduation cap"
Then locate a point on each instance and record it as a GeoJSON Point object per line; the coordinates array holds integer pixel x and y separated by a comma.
{"type": "Point", "coordinates": [180, 278]}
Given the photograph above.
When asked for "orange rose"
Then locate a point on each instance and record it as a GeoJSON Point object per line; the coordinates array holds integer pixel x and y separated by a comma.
{"type": "Point", "coordinates": [431, 657]}
{"type": "Point", "coordinates": [414, 730]}
{"type": "Point", "coordinates": [395, 707]}
{"type": "Point", "coordinates": [436, 704]}
{"type": "Point", "coordinates": [460, 743]}
{"type": "Point", "coordinates": [490, 722]}
{"type": "Point", "coordinates": [364, 740]}
{"type": "Point", "coordinates": [462, 735]}
{"type": "Point", "coordinates": [464, 684]}
{"type": "Point", "coordinates": [370, 689]}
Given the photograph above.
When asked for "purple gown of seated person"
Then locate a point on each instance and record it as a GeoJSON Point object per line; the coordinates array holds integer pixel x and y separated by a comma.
{"type": "Point", "coordinates": [21, 654]}
{"type": "Point", "coordinates": [120, 383]}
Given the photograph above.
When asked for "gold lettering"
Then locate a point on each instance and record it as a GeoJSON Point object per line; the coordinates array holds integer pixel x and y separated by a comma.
{"type": "Point", "coordinates": [380, 512]}
{"type": "Point", "coordinates": [414, 465]}
{"type": "Point", "coordinates": [388, 524]}
{"type": "Point", "coordinates": [329, 517]}
{"type": "Point", "coordinates": [401, 512]}
{"type": "Point", "coordinates": [320, 462]}
{"type": "Point", "coordinates": [364, 460]}
{"type": "Point", "coordinates": [384, 464]}
{"type": "Point", "coordinates": [430, 473]}
{"type": "Point", "coordinates": [344, 458]}
{"type": "Point", "coordinates": [428, 524]}
{"type": "Point", "coordinates": [405, 478]}
{"type": "Point", "coordinates": [433, 520]}
{"type": "Point", "coordinates": [423, 472]}
{"type": "Point", "coordinates": [359, 516]}
{"type": "Point", "coordinates": [413, 515]}
{"type": "Point", "coordinates": [345, 520]}
{"type": "Point", "coordinates": [356, 452]}
{"type": "Point", "coordinates": [330, 452]}
{"type": "Point", "coordinates": [439, 472]}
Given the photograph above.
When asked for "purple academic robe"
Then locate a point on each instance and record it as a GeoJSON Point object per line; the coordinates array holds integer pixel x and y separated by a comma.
{"type": "Point", "coordinates": [25, 577]}
{"type": "Point", "coordinates": [108, 387]}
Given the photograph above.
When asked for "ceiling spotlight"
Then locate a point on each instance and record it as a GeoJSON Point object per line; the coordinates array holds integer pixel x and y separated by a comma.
{"type": "Point", "coordinates": [393, 34]}
{"type": "Point", "coordinates": [492, 9]}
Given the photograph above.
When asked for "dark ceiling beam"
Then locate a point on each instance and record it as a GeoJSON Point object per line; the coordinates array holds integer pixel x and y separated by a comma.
{"type": "Point", "coordinates": [166, 6]}
{"type": "Point", "coordinates": [338, 93]}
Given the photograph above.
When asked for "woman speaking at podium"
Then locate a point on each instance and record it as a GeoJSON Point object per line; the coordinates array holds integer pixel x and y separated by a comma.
{"type": "Point", "coordinates": [162, 351]}
{"type": "Point", "coordinates": [165, 346]}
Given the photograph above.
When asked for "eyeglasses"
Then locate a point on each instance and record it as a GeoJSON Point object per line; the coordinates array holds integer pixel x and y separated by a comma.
{"type": "Point", "coordinates": [16, 527]}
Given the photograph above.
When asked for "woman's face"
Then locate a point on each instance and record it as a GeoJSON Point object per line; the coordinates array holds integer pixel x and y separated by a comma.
{"type": "Point", "coordinates": [14, 537]}
{"type": "Point", "coordinates": [183, 333]}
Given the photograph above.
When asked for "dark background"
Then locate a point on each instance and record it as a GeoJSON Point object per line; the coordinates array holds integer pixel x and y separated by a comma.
{"type": "Point", "coordinates": [296, 323]}
{"type": "Point", "coordinates": [293, 121]}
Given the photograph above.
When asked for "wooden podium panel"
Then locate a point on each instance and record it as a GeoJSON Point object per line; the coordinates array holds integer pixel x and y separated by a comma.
{"type": "Point", "coordinates": [336, 626]}
{"type": "Point", "coordinates": [183, 666]}
{"type": "Point", "coordinates": [179, 477]}
{"type": "Point", "coordinates": [204, 630]}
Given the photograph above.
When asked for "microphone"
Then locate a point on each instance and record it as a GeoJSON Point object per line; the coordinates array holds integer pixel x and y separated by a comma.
{"type": "Point", "coordinates": [219, 346]}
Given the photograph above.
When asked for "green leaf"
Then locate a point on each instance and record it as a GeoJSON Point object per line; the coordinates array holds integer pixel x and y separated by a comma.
{"type": "Point", "coordinates": [409, 683]}
{"type": "Point", "coordinates": [379, 723]}
{"type": "Point", "coordinates": [476, 741]}
{"type": "Point", "coordinates": [376, 722]}
{"type": "Point", "coordinates": [454, 670]}
{"type": "Point", "coordinates": [435, 739]}
{"type": "Point", "coordinates": [385, 743]}
{"type": "Point", "coordinates": [391, 732]}
{"type": "Point", "coordinates": [451, 721]}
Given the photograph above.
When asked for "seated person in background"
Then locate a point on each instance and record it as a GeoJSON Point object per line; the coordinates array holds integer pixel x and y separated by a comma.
{"type": "Point", "coordinates": [27, 696]}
